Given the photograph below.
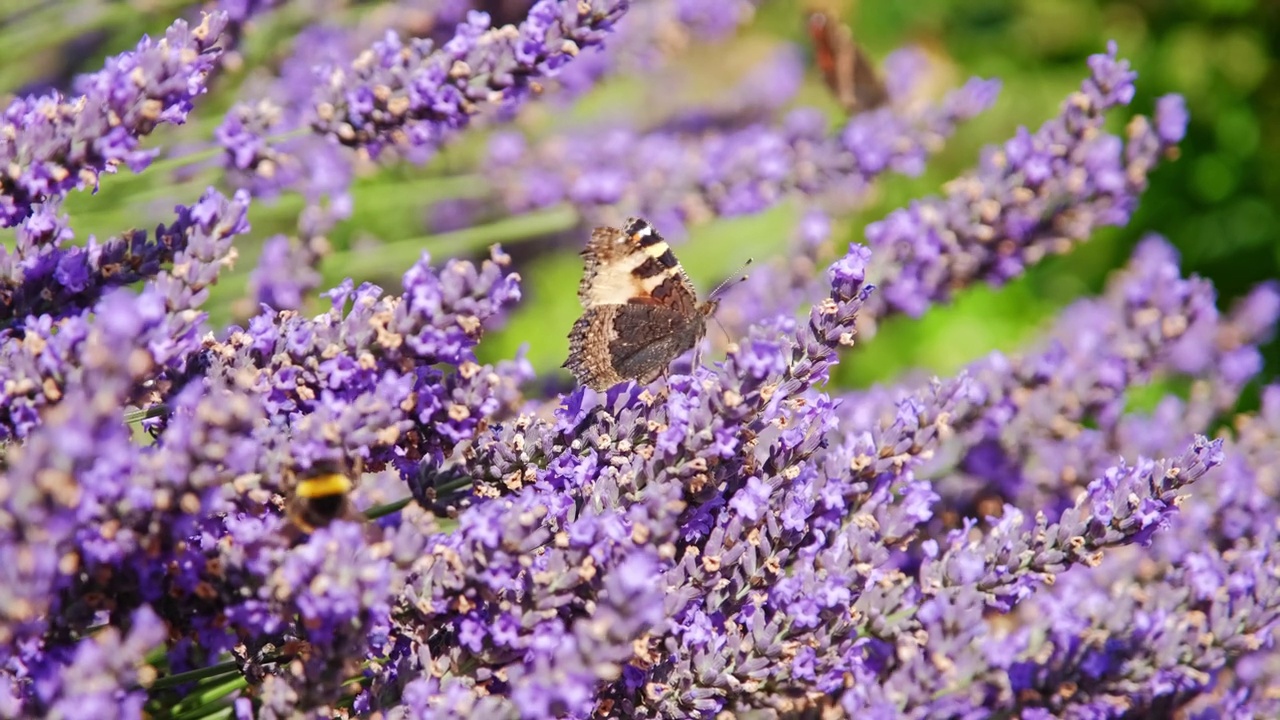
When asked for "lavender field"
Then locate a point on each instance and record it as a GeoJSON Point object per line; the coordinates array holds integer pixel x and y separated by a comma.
{"type": "Point", "coordinates": [985, 429]}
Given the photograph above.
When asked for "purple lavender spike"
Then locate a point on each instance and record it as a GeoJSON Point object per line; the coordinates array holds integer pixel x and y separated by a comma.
{"type": "Point", "coordinates": [52, 144]}
{"type": "Point", "coordinates": [1039, 193]}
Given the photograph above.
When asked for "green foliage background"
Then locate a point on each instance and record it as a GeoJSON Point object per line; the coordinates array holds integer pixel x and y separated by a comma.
{"type": "Point", "coordinates": [1218, 203]}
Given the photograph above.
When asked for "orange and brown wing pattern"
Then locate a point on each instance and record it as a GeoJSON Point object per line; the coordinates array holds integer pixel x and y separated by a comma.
{"type": "Point", "coordinates": [845, 67]}
{"type": "Point", "coordinates": [633, 264]}
{"type": "Point", "coordinates": [640, 309]}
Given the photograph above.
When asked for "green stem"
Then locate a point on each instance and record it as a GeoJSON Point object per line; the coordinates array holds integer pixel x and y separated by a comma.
{"type": "Point", "coordinates": [215, 707]}
{"type": "Point", "coordinates": [433, 189]}
{"type": "Point", "coordinates": [134, 189]}
{"type": "Point", "coordinates": [118, 202]}
{"type": "Point", "coordinates": [454, 484]}
{"type": "Point", "coordinates": [157, 658]}
{"type": "Point", "coordinates": [175, 162]}
{"type": "Point", "coordinates": [146, 413]}
{"type": "Point", "coordinates": [365, 262]}
{"type": "Point", "coordinates": [214, 149]}
{"type": "Point", "coordinates": [223, 668]}
{"type": "Point", "coordinates": [378, 511]}
{"type": "Point", "coordinates": [222, 712]}
{"type": "Point", "coordinates": [359, 262]}
{"type": "Point", "coordinates": [19, 8]}
{"type": "Point", "coordinates": [46, 28]}
{"type": "Point", "coordinates": [200, 702]}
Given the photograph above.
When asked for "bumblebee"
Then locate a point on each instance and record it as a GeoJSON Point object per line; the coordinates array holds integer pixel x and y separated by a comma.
{"type": "Point", "coordinates": [321, 496]}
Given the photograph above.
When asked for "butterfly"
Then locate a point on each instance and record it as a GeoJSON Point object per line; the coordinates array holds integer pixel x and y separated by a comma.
{"type": "Point", "coordinates": [845, 68]}
{"type": "Point", "coordinates": [640, 309]}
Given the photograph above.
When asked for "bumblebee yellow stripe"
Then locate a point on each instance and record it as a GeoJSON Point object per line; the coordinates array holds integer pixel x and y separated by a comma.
{"type": "Point", "coordinates": [323, 486]}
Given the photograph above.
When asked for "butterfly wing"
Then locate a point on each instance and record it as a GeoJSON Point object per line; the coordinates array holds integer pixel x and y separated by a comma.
{"type": "Point", "coordinates": [610, 344]}
{"type": "Point", "coordinates": [869, 91]}
{"type": "Point", "coordinates": [641, 310]}
{"type": "Point", "coordinates": [845, 67]}
{"type": "Point", "coordinates": [633, 264]}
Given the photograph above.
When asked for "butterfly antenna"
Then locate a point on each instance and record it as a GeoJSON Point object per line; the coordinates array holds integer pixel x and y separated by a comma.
{"type": "Point", "coordinates": [732, 280]}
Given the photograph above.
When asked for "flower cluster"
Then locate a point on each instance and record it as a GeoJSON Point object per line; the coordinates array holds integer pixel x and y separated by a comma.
{"type": "Point", "coordinates": [1037, 194]}
{"type": "Point", "coordinates": [740, 538]}
{"type": "Point", "coordinates": [414, 96]}
{"type": "Point", "coordinates": [51, 144]}
{"type": "Point", "coordinates": [679, 175]}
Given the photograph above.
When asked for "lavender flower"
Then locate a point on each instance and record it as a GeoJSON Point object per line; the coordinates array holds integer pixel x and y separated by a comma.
{"type": "Point", "coordinates": [44, 277]}
{"type": "Point", "coordinates": [1041, 193]}
{"type": "Point", "coordinates": [211, 434]}
{"type": "Point", "coordinates": [1027, 439]}
{"type": "Point", "coordinates": [50, 278]}
{"type": "Point", "coordinates": [314, 165]}
{"type": "Point", "coordinates": [1125, 504]}
{"type": "Point", "coordinates": [741, 537]}
{"type": "Point", "coordinates": [52, 144]}
{"type": "Point", "coordinates": [414, 97]}
{"type": "Point", "coordinates": [648, 35]}
{"type": "Point", "coordinates": [676, 179]}
{"type": "Point", "coordinates": [240, 13]}
{"type": "Point", "coordinates": [1124, 646]}
{"type": "Point", "coordinates": [292, 275]}
{"type": "Point", "coordinates": [758, 97]}
{"type": "Point", "coordinates": [75, 463]}
{"type": "Point", "coordinates": [100, 670]}
{"type": "Point", "coordinates": [773, 292]}
{"type": "Point", "coordinates": [340, 98]}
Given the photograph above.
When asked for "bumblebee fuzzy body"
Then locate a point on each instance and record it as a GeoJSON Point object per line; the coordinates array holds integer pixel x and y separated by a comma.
{"type": "Point", "coordinates": [320, 498]}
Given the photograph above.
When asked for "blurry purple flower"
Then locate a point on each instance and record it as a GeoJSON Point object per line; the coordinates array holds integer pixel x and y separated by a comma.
{"type": "Point", "coordinates": [676, 179]}
{"type": "Point", "coordinates": [414, 97]}
{"type": "Point", "coordinates": [286, 273]}
{"type": "Point", "coordinates": [62, 143]}
{"type": "Point", "coordinates": [1171, 119]}
{"type": "Point", "coordinates": [648, 33]}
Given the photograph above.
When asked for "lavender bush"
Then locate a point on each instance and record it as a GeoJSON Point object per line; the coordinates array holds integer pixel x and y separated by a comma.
{"type": "Point", "coordinates": [742, 538]}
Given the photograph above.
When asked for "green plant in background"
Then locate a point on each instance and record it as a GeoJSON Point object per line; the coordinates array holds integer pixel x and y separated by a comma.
{"type": "Point", "coordinates": [1217, 205]}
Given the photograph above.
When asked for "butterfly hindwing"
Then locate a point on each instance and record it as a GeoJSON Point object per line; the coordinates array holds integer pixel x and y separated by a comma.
{"type": "Point", "coordinates": [650, 337]}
